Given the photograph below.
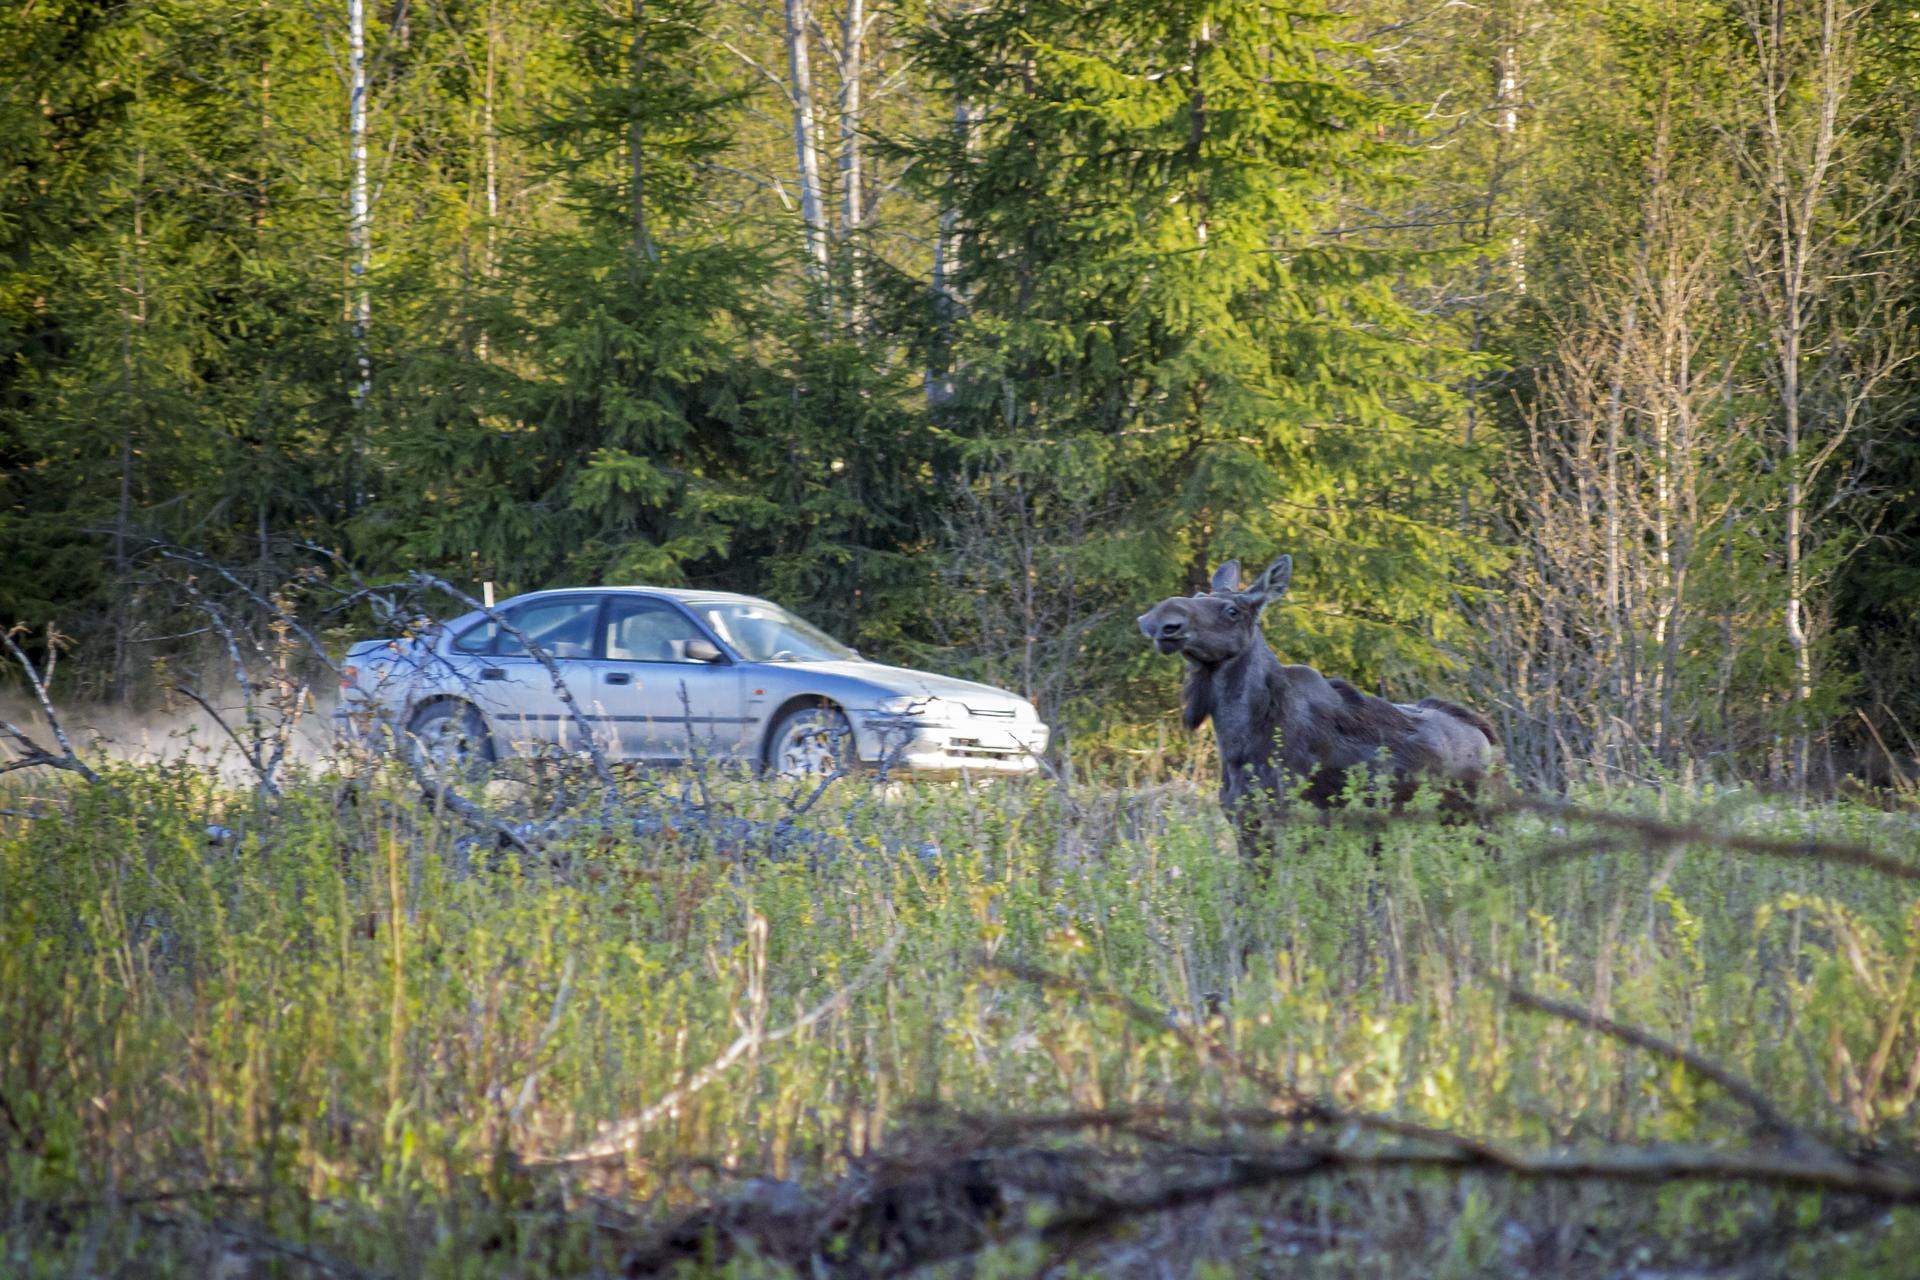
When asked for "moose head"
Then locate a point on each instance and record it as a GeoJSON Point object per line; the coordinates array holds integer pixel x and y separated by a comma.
{"type": "Point", "coordinates": [1219, 626]}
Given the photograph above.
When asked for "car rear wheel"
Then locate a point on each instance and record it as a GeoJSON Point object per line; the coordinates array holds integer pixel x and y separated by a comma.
{"type": "Point", "coordinates": [811, 742]}
{"type": "Point", "coordinates": [449, 742]}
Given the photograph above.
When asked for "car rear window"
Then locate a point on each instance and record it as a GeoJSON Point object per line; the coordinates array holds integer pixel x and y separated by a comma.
{"type": "Point", "coordinates": [564, 628]}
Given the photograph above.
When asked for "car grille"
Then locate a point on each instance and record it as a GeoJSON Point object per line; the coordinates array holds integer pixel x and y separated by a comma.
{"type": "Point", "coordinates": [977, 749]}
{"type": "Point", "coordinates": [998, 713]}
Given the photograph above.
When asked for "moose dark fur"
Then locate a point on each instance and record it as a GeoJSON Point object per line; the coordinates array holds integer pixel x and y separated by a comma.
{"type": "Point", "coordinates": [1279, 725]}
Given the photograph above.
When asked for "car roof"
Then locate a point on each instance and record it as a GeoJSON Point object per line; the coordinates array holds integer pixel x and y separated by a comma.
{"type": "Point", "coordinates": [684, 595]}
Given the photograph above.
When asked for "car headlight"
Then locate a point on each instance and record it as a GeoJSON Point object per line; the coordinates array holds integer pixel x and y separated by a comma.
{"type": "Point", "coordinates": [908, 704]}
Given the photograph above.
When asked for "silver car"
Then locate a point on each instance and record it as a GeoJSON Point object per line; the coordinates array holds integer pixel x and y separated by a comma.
{"type": "Point", "coordinates": [659, 676]}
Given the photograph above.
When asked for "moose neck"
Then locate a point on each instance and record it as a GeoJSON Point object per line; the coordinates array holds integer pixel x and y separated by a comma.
{"type": "Point", "coordinates": [1230, 683]}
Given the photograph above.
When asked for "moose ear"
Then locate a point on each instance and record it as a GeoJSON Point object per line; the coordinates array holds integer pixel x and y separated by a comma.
{"type": "Point", "coordinates": [1226, 578]}
{"type": "Point", "coordinates": [1272, 584]}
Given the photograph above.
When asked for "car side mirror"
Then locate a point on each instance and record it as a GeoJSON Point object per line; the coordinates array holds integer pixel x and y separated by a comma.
{"type": "Point", "coordinates": [703, 651]}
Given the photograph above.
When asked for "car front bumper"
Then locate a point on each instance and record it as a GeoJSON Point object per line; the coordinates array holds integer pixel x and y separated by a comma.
{"type": "Point", "coordinates": [912, 744]}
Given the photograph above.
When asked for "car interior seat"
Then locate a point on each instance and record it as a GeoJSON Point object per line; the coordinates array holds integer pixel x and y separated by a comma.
{"type": "Point", "coordinates": [648, 636]}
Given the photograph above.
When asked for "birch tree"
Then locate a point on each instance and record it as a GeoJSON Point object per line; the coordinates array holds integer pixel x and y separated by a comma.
{"type": "Point", "coordinates": [360, 225]}
{"type": "Point", "coordinates": [1629, 503]}
{"type": "Point", "coordinates": [806, 140]}
{"type": "Point", "coordinates": [1817, 271]}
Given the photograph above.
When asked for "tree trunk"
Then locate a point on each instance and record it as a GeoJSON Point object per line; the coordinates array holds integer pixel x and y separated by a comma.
{"type": "Point", "coordinates": [257, 216]}
{"type": "Point", "coordinates": [853, 34]}
{"type": "Point", "coordinates": [1614, 589]}
{"type": "Point", "coordinates": [133, 329]}
{"type": "Point", "coordinates": [1507, 94]}
{"type": "Point", "coordinates": [1809, 72]}
{"type": "Point", "coordinates": [359, 251]}
{"type": "Point", "coordinates": [944, 298]}
{"type": "Point", "coordinates": [812, 209]}
{"type": "Point", "coordinates": [643, 246]}
{"type": "Point", "coordinates": [490, 159]}
{"type": "Point", "coordinates": [360, 228]}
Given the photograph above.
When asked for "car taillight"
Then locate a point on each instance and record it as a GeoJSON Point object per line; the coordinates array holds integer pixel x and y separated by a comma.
{"type": "Point", "coordinates": [348, 676]}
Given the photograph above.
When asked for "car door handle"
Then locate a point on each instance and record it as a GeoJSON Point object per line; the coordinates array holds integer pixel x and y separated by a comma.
{"type": "Point", "coordinates": [619, 677]}
{"type": "Point", "coordinates": [492, 673]}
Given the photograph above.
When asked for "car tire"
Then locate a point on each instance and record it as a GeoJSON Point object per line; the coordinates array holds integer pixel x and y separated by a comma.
{"type": "Point", "coordinates": [811, 742]}
{"type": "Point", "coordinates": [448, 742]}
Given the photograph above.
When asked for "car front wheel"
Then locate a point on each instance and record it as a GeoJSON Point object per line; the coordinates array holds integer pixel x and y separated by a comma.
{"type": "Point", "coordinates": [449, 742]}
{"type": "Point", "coordinates": [811, 742]}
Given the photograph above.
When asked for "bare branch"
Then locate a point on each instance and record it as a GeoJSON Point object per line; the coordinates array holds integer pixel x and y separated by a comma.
{"type": "Point", "coordinates": [619, 1138]}
{"type": "Point", "coordinates": [600, 766]}
{"type": "Point", "coordinates": [31, 751]}
{"type": "Point", "coordinates": [1749, 1096]}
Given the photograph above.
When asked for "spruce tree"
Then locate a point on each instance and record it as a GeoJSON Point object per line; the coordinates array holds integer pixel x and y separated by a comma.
{"type": "Point", "coordinates": [600, 438]}
{"type": "Point", "coordinates": [1154, 288]}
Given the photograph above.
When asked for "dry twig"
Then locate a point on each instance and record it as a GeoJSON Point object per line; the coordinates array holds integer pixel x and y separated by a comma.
{"type": "Point", "coordinates": [31, 752]}
{"type": "Point", "coordinates": [617, 1139]}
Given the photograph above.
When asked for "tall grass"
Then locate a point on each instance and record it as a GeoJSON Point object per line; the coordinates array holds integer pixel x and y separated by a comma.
{"type": "Point", "coordinates": [349, 1037]}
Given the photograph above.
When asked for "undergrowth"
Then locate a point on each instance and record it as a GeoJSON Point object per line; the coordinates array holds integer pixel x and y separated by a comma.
{"type": "Point", "coordinates": [338, 1034]}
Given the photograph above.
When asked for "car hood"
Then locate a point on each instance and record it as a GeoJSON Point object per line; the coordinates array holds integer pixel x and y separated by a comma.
{"type": "Point", "coordinates": [892, 681]}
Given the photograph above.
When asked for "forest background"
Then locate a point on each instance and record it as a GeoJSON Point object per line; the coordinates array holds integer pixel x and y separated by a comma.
{"type": "Point", "coordinates": [1567, 346]}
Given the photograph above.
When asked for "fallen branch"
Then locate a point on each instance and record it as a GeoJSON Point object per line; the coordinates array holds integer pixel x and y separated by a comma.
{"type": "Point", "coordinates": [980, 1180]}
{"type": "Point", "coordinates": [32, 754]}
{"type": "Point", "coordinates": [560, 998]}
{"type": "Point", "coordinates": [1647, 833]}
{"type": "Point", "coordinates": [601, 768]}
{"type": "Point", "coordinates": [271, 1244]}
{"type": "Point", "coordinates": [435, 790]}
{"type": "Point", "coordinates": [1653, 833]}
{"type": "Point", "coordinates": [619, 1138]}
{"type": "Point", "coordinates": [466, 810]}
{"type": "Point", "coordinates": [1749, 1096]}
{"type": "Point", "coordinates": [1290, 1104]}
{"type": "Point", "coordinates": [1254, 1168]}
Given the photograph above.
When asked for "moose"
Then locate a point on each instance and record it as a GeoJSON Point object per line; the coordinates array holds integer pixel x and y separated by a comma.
{"type": "Point", "coordinates": [1279, 726]}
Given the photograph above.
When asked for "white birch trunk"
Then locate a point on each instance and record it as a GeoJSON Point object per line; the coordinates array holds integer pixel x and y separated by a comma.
{"type": "Point", "coordinates": [1796, 164]}
{"type": "Point", "coordinates": [360, 228]}
{"type": "Point", "coordinates": [946, 258]}
{"type": "Point", "coordinates": [806, 150]}
{"type": "Point", "coordinates": [853, 34]}
{"type": "Point", "coordinates": [490, 157]}
{"type": "Point", "coordinates": [1507, 92]}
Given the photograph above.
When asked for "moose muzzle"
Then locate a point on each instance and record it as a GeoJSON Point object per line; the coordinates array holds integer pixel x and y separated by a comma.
{"type": "Point", "coordinates": [1165, 628]}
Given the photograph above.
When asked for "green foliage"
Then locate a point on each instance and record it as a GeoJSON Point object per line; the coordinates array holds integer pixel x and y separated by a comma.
{"type": "Point", "coordinates": [373, 1025]}
{"type": "Point", "coordinates": [1128, 289]}
{"type": "Point", "coordinates": [1146, 288]}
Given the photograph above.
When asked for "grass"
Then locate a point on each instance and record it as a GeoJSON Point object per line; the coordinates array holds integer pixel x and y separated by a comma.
{"type": "Point", "coordinates": [350, 1039]}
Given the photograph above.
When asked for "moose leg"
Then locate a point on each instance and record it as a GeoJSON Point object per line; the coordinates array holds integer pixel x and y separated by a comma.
{"type": "Point", "coordinates": [1258, 816]}
{"type": "Point", "coordinates": [1459, 803]}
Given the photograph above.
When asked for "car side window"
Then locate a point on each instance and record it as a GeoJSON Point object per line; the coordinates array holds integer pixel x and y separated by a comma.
{"type": "Point", "coordinates": [643, 630]}
{"type": "Point", "coordinates": [563, 628]}
{"type": "Point", "coordinates": [477, 638]}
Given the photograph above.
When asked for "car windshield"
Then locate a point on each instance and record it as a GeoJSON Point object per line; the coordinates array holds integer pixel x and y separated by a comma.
{"type": "Point", "coordinates": [767, 633]}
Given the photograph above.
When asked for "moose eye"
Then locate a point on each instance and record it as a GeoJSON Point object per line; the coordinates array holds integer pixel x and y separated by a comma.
{"type": "Point", "coordinates": [1233, 611]}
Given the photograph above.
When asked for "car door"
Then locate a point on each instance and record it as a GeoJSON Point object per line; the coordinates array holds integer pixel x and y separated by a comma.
{"type": "Point", "coordinates": [515, 689]}
{"type": "Point", "coordinates": [666, 703]}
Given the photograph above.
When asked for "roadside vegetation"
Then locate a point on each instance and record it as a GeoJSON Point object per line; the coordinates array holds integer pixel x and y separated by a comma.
{"type": "Point", "coordinates": [1568, 348]}
{"type": "Point", "coordinates": [337, 1033]}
